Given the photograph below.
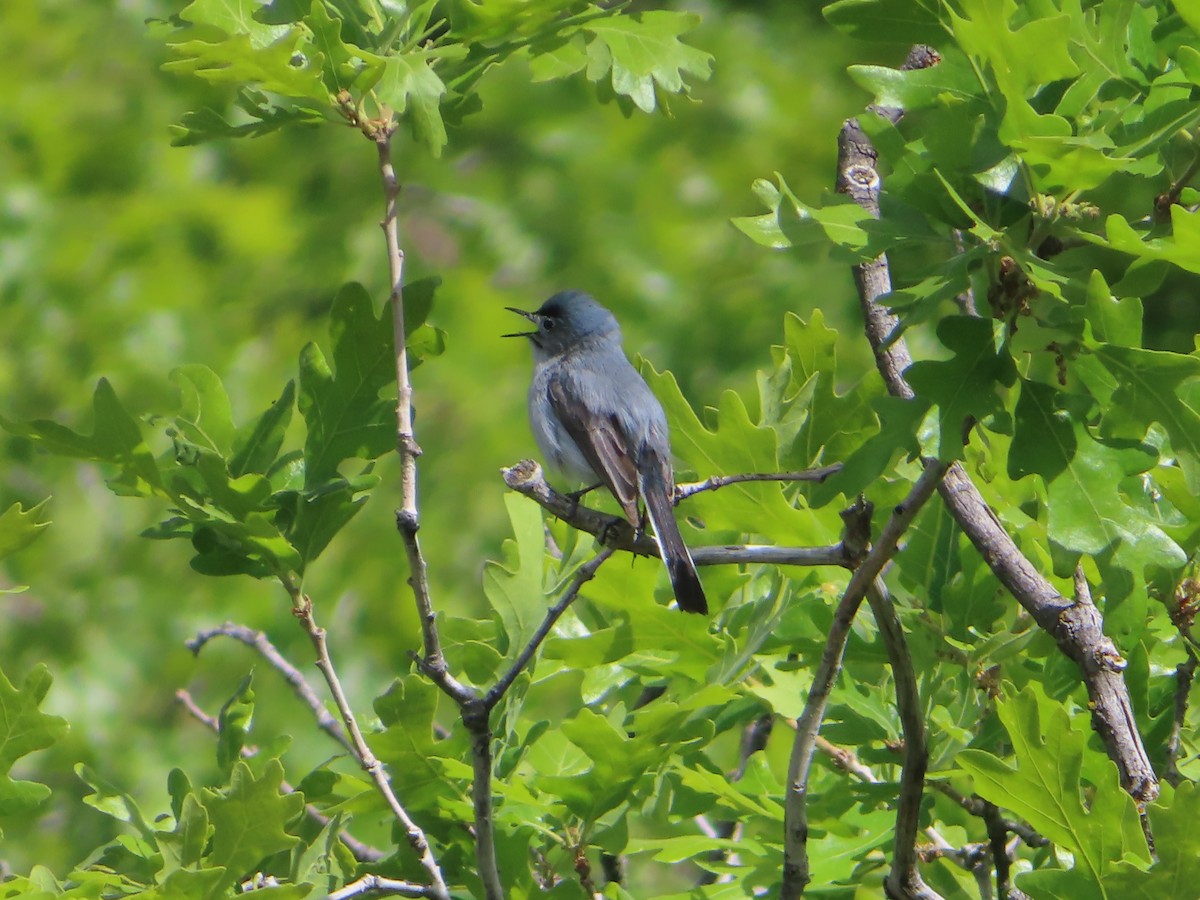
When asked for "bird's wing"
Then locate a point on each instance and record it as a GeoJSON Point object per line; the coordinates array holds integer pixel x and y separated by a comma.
{"type": "Point", "coordinates": [603, 444]}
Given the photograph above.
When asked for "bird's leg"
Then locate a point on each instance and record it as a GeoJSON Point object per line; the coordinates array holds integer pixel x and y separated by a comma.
{"type": "Point", "coordinates": [576, 496]}
{"type": "Point", "coordinates": [639, 527]}
{"type": "Point", "coordinates": [606, 529]}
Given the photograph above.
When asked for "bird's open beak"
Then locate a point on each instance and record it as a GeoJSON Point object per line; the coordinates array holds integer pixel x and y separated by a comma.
{"type": "Point", "coordinates": [527, 315]}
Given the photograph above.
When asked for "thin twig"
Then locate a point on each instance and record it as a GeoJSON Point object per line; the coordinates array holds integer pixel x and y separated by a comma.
{"type": "Point", "coordinates": [377, 884]}
{"type": "Point", "coordinates": [846, 761]}
{"type": "Point", "coordinates": [526, 477]}
{"type": "Point", "coordinates": [585, 574]}
{"type": "Point", "coordinates": [904, 880]}
{"type": "Point", "coordinates": [1184, 673]}
{"type": "Point", "coordinates": [998, 841]}
{"type": "Point", "coordinates": [362, 851]}
{"type": "Point", "coordinates": [688, 489]}
{"type": "Point", "coordinates": [795, 860]}
{"type": "Point", "coordinates": [303, 610]}
{"type": "Point", "coordinates": [1077, 628]}
{"type": "Point", "coordinates": [408, 518]}
{"type": "Point", "coordinates": [299, 685]}
{"type": "Point", "coordinates": [977, 806]}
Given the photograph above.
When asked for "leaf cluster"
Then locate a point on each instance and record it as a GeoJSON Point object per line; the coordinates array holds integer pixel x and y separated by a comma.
{"type": "Point", "coordinates": [295, 63]}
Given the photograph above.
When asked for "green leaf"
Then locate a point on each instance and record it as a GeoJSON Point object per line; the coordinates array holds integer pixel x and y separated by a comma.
{"type": "Point", "coordinates": [24, 729]}
{"type": "Point", "coordinates": [1087, 513]}
{"type": "Point", "coordinates": [316, 516]}
{"type": "Point", "coordinates": [426, 772]}
{"type": "Point", "coordinates": [966, 386]}
{"type": "Point", "coordinates": [282, 67]}
{"type": "Point", "coordinates": [341, 404]}
{"type": "Point", "coordinates": [116, 438]}
{"type": "Point", "coordinates": [21, 527]}
{"type": "Point", "coordinates": [951, 82]}
{"type": "Point", "coordinates": [1148, 391]}
{"type": "Point", "coordinates": [249, 819]}
{"type": "Point", "coordinates": [408, 84]}
{"type": "Point", "coordinates": [515, 588]}
{"type": "Point", "coordinates": [1173, 823]}
{"type": "Point", "coordinates": [200, 126]}
{"type": "Point", "coordinates": [889, 21]}
{"type": "Point", "coordinates": [560, 59]}
{"type": "Point", "coordinates": [1117, 321]}
{"type": "Point", "coordinates": [644, 55]}
{"type": "Point", "coordinates": [184, 845]}
{"type": "Point", "coordinates": [1181, 248]}
{"type": "Point", "coordinates": [852, 230]}
{"type": "Point", "coordinates": [1045, 786]}
{"type": "Point", "coordinates": [234, 722]}
{"type": "Point", "coordinates": [617, 763]}
{"type": "Point", "coordinates": [256, 444]}
{"type": "Point", "coordinates": [112, 801]}
{"type": "Point", "coordinates": [831, 425]}
{"type": "Point", "coordinates": [234, 17]}
{"type": "Point", "coordinates": [735, 444]}
{"type": "Point", "coordinates": [205, 416]}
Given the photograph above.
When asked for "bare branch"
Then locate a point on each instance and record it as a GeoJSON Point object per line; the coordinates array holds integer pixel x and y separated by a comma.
{"type": "Point", "coordinates": [1185, 672]}
{"type": "Point", "coordinates": [476, 716]}
{"type": "Point", "coordinates": [977, 806]}
{"type": "Point", "coordinates": [1076, 627]}
{"type": "Point", "coordinates": [904, 880]}
{"type": "Point", "coordinates": [377, 884]}
{"type": "Point", "coordinates": [585, 574]}
{"type": "Point", "coordinates": [526, 478]}
{"type": "Point", "coordinates": [303, 610]}
{"type": "Point", "coordinates": [795, 860]}
{"type": "Point", "coordinates": [683, 491]}
{"type": "Point", "coordinates": [258, 641]}
{"type": "Point", "coordinates": [846, 761]}
{"type": "Point", "coordinates": [408, 519]}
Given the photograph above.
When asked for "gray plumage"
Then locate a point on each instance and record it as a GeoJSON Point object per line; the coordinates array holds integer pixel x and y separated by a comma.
{"type": "Point", "coordinates": [595, 418]}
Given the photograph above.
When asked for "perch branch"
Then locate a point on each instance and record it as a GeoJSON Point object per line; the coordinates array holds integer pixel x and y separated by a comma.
{"type": "Point", "coordinates": [795, 860]}
{"type": "Point", "coordinates": [1077, 628]}
{"type": "Point", "coordinates": [526, 478]}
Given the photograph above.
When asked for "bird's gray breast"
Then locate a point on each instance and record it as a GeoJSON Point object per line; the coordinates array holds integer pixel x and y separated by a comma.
{"type": "Point", "coordinates": [557, 446]}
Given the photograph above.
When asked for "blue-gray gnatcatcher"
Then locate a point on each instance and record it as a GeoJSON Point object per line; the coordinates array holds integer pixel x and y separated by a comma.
{"type": "Point", "coordinates": [595, 418]}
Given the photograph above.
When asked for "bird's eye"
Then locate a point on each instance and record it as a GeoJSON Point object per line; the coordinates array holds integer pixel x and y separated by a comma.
{"type": "Point", "coordinates": [548, 323]}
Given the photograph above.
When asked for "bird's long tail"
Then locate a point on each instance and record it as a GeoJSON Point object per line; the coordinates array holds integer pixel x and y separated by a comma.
{"type": "Point", "coordinates": [689, 592]}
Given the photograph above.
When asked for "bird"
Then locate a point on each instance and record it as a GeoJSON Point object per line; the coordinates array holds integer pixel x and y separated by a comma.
{"type": "Point", "coordinates": [595, 419]}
